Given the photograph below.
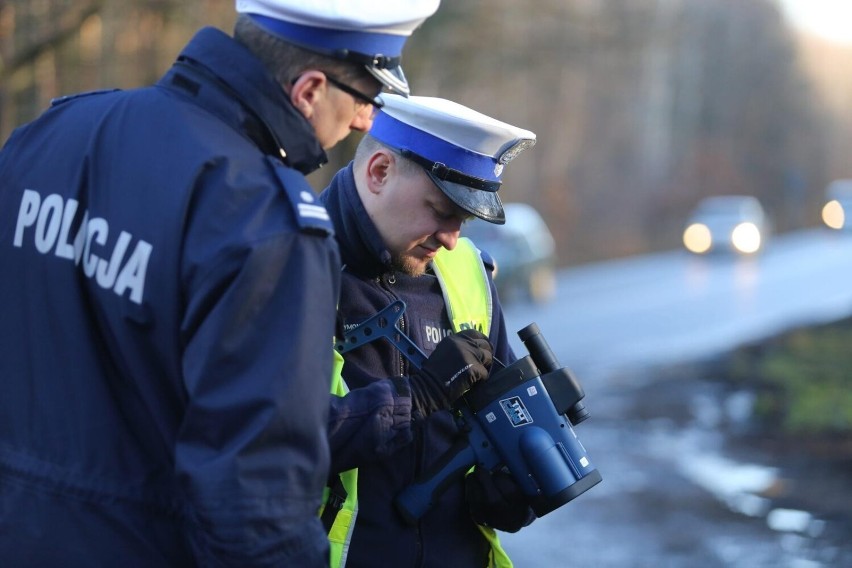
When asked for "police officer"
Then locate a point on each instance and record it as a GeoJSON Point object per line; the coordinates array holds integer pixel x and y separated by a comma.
{"type": "Point", "coordinates": [168, 293]}
{"type": "Point", "coordinates": [426, 166]}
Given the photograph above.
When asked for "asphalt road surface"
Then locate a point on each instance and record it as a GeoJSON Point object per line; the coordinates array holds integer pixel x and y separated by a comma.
{"type": "Point", "coordinates": [679, 488]}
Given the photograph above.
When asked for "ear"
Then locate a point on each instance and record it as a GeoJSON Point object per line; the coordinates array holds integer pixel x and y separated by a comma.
{"type": "Point", "coordinates": [378, 170]}
{"type": "Point", "coordinates": [307, 91]}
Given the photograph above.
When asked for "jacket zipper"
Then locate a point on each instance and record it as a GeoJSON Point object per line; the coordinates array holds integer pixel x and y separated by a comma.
{"type": "Point", "coordinates": [387, 281]}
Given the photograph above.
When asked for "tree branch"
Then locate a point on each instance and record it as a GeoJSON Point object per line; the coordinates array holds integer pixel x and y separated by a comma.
{"type": "Point", "coordinates": [67, 25]}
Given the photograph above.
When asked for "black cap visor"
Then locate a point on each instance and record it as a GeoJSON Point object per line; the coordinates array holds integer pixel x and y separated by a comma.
{"type": "Point", "coordinates": [480, 203]}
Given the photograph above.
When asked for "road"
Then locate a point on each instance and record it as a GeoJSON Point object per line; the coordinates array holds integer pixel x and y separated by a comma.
{"type": "Point", "coordinates": [674, 492]}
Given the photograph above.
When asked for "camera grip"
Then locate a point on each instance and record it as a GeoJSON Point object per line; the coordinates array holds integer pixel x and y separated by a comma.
{"type": "Point", "coordinates": [413, 502]}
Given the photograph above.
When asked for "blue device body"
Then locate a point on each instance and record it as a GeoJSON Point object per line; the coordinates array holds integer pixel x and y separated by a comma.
{"type": "Point", "coordinates": [522, 419]}
{"type": "Point", "coordinates": [533, 440]}
{"type": "Point", "coordinates": [511, 421]}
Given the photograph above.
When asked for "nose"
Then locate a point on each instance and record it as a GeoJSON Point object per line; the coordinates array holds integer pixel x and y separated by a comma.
{"type": "Point", "coordinates": [448, 238]}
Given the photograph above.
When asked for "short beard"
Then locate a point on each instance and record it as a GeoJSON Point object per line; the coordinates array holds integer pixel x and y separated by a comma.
{"type": "Point", "coordinates": [408, 265]}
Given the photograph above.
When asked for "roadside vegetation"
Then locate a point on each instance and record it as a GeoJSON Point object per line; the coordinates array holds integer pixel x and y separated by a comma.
{"type": "Point", "coordinates": [802, 380]}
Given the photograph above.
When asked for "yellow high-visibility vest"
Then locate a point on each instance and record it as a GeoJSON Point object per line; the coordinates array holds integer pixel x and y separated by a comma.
{"type": "Point", "coordinates": [467, 296]}
{"type": "Point", "coordinates": [340, 531]}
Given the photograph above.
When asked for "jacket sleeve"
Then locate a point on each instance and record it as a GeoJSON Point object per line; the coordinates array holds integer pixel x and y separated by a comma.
{"type": "Point", "coordinates": [368, 423]}
{"type": "Point", "coordinates": [252, 454]}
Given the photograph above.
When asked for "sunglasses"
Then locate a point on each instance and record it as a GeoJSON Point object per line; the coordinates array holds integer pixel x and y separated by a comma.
{"type": "Point", "coordinates": [376, 102]}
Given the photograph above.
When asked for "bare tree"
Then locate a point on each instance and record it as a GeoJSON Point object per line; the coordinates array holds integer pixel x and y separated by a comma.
{"type": "Point", "coordinates": [640, 106]}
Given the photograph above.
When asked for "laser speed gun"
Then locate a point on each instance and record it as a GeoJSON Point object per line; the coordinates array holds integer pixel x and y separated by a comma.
{"type": "Point", "coordinates": [521, 418]}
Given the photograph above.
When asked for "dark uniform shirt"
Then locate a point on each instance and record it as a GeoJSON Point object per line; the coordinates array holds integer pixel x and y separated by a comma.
{"type": "Point", "coordinates": [167, 315]}
{"type": "Point", "coordinates": [372, 428]}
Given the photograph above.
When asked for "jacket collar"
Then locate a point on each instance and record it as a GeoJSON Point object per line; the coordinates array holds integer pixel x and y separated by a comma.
{"type": "Point", "coordinates": [362, 249]}
{"type": "Point", "coordinates": [247, 97]}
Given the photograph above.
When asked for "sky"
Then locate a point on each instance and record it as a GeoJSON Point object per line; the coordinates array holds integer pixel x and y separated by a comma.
{"type": "Point", "coordinates": [831, 19]}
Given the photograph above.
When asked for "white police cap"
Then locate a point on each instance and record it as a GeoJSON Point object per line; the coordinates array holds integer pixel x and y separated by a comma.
{"type": "Point", "coordinates": [462, 150]}
{"type": "Point", "coordinates": [372, 32]}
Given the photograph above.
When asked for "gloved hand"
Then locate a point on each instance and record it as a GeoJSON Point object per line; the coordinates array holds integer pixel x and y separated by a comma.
{"type": "Point", "coordinates": [459, 361]}
{"type": "Point", "coordinates": [496, 500]}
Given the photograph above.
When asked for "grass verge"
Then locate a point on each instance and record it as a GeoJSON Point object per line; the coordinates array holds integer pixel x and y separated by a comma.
{"type": "Point", "coordinates": [802, 379]}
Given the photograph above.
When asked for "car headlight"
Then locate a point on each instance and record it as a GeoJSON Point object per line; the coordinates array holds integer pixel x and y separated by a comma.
{"type": "Point", "coordinates": [746, 238]}
{"type": "Point", "coordinates": [697, 238]}
{"type": "Point", "coordinates": [833, 215]}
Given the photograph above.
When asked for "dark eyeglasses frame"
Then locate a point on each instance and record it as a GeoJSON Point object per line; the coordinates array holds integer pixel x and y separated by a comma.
{"type": "Point", "coordinates": [376, 102]}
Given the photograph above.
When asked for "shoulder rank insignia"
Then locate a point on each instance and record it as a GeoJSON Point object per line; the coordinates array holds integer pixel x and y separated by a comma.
{"type": "Point", "coordinates": [310, 214]}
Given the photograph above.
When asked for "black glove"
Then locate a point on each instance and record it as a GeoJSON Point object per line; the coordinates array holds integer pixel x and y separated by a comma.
{"type": "Point", "coordinates": [459, 361]}
{"type": "Point", "coordinates": [496, 500]}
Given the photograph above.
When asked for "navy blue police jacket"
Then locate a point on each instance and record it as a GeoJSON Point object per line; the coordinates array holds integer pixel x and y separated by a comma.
{"type": "Point", "coordinates": [168, 295]}
{"type": "Point", "coordinates": [372, 428]}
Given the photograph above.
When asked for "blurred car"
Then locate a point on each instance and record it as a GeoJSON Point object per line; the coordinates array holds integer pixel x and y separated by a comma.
{"type": "Point", "coordinates": [727, 223]}
{"type": "Point", "coordinates": [523, 250]}
{"type": "Point", "coordinates": [837, 211]}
